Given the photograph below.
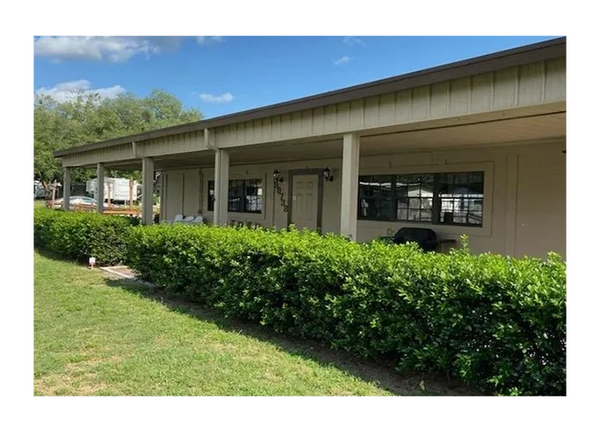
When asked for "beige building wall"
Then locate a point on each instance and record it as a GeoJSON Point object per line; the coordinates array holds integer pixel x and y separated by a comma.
{"type": "Point", "coordinates": [524, 194]}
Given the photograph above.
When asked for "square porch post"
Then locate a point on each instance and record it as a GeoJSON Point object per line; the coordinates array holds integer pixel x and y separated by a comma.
{"type": "Point", "coordinates": [147, 191]}
{"type": "Point", "coordinates": [221, 187]}
{"type": "Point", "coordinates": [67, 188]}
{"type": "Point", "coordinates": [100, 187]}
{"type": "Point", "coordinates": [349, 203]}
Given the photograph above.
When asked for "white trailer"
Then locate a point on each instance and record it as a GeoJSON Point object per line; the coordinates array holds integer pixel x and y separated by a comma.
{"type": "Point", "coordinates": [118, 189]}
{"type": "Point", "coordinates": [37, 190]}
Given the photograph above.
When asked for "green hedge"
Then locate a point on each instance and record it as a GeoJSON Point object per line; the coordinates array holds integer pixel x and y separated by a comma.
{"type": "Point", "coordinates": [497, 322]}
{"type": "Point", "coordinates": [78, 235]}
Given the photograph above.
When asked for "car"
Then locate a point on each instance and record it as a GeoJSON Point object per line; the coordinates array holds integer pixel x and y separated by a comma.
{"type": "Point", "coordinates": [79, 200]}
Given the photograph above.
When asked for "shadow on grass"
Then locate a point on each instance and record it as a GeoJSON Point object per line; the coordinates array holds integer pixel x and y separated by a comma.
{"type": "Point", "coordinates": [381, 373]}
{"type": "Point", "coordinates": [52, 255]}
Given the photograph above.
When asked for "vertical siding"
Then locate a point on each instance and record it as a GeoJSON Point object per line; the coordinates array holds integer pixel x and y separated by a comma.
{"type": "Point", "coordinates": [276, 128]}
{"type": "Point", "coordinates": [343, 116]}
{"type": "Point", "coordinates": [306, 120]}
{"type": "Point", "coordinates": [505, 88]}
{"type": "Point", "coordinates": [420, 102]}
{"type": "Point", "coordinates": [531, 83]}
{"type": "Point", "coordinates": [357, 114]}
{"type": "Point", "coordinates": [440, 100]}
{"type": "Point", "coordinates": [330, 124]}
{"type": "Point", "coordinates": [318, 121]}
{"type": "Point", "coordinates": [386, 109]}
{"type": "Point", "coordinates": [555, 85]}
{"type": "Point", "coordinates": [524, 86]}
{"type": "Point", "coordinates": [482, 92]}
{"type": "Point", "coordinates": [403, 107]}
{"type": "Point", "coordinates": [372, 111]}
{"type": "Point", "coordinates": [460, 96]}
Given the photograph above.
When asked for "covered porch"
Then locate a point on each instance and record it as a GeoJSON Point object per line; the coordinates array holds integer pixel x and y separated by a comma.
{"type": "Point", "coordinates": [368, 185]}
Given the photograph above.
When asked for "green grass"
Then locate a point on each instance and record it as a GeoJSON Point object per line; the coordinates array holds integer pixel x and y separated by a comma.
{"type": "Point", "coordinates": [94, 339]}
{"type": "Point", "coordinates": [100, 336]}
{"type": "Point", "coordinates": [39, 203]}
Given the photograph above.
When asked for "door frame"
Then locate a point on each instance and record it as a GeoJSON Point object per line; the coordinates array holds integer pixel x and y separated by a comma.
{"type": "Point", "coordinates": [306, 172]}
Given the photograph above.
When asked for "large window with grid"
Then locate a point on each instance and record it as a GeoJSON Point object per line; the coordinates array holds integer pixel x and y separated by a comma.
{"type": "Point", "coordinates": [245, 196]}
{"type": "Point", "coordinates": [438, 198]}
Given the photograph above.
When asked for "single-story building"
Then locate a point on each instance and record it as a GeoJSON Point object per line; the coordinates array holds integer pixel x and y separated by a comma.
{"type": "Point", "coordinates": [475, 147]}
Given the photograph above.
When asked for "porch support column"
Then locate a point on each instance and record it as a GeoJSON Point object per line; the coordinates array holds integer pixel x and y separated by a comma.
{"type": "Point", "coordinates": [221, 187]}
{"type": "Point", "coordinates": [147, 191]}
{"type": "Point", "coordinates": [349, 205]}
{"type": "Point", "coordinates": [99, 188]}
{"type": "Point", "coordinates": [67, 188]}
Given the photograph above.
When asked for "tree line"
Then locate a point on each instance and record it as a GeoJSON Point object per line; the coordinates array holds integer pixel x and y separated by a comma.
{"type": "Point", "coordinates": [86, 118]}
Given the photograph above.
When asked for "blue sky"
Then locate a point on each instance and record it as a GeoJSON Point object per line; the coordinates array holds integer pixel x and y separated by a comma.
{"type": "Point", "coordinates": [221, 75]}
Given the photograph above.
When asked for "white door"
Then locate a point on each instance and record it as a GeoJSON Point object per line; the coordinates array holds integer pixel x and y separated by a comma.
{"type": "Point", "coordinates": [305, 201]}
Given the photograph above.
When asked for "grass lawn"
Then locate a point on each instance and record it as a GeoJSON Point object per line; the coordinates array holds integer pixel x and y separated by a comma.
{"type": "Point", "coordinates": [94, 339]}
{"type": "Point", "coordinates": [39, 203]}
{"type": "Point", "coordinates": [97, 336]}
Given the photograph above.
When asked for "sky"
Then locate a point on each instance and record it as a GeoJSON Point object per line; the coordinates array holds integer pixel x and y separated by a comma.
{"type": "Point", "coordinates": [222, 75]}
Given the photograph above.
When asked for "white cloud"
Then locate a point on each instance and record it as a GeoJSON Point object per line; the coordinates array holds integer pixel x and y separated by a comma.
{"type": "Point", "coordinates": [352, 40]}
{"type": "Point", "coordinates": [223, 98]}
{"type": "Point", "coordinates": [66, 90]}
{"type": "Point", "coordinates": [202, 38]}
{"type": "Point", "coordinates": [344, 60]}
{"type": "Point", "coordinates": [114, 47]}
{"type": "Point", "coordinates": [217, 37]}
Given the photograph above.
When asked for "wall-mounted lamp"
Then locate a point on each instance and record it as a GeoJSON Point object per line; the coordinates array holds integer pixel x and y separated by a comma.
{"type": "Point", "coordinates": [327, 175]}
{"type": "Point", "coordinates": [277, 176]}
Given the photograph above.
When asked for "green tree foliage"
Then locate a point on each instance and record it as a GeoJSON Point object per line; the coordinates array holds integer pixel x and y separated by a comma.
{"type": "Point", "coordinates": [86, 118]}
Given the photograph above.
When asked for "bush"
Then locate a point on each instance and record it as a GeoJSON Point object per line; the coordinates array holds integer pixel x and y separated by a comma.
{"type": "Point", "coordinates": [77, 235]}
{"type": "Point", "coordinates": [497, 322]}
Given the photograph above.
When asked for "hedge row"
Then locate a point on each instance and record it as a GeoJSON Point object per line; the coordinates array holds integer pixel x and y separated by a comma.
{"type": "Point", "coordinates": [78, 235]}
{"type": "Point", "coordinates": [496, 322]}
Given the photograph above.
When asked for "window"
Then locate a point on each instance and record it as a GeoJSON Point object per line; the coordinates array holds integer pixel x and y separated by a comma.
{"type": "Point", "coordinates": [461, 198]}
{"type": "Point", "coordinates": [245, 196]}
{"type": "Point", "coordinates": [375, 196]}
{"type": "Point", "coordinates": [440, 198]}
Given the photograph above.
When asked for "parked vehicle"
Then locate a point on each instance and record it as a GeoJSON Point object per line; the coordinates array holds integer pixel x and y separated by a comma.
{"type": "Point", "coordinates": [81, 201]}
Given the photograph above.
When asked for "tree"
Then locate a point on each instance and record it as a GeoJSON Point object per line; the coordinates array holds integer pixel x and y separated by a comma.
{"type": "Point", "coordinates": [86, 118]}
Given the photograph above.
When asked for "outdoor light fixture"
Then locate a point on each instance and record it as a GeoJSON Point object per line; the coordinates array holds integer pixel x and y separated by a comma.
{"type": "Point", "coordinates": [327, 175]}
{"type": "Point", "coordinates": [277, 176]}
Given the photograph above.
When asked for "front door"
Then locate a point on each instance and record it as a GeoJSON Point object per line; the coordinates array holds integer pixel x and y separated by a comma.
{"type": "Point", "coordinates": [305, 201]}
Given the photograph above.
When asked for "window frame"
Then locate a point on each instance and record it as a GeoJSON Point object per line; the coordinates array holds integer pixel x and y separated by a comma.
{"type": "Point", "coordinates": [436, 199]}
{"type": "Point", "coordinates": [244, 202]}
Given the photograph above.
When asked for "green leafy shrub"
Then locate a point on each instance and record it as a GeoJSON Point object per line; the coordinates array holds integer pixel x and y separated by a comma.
{"type": "Point", "coordinates": [497, 322]}
{"type": "Point", "coordinates": [77, 235]}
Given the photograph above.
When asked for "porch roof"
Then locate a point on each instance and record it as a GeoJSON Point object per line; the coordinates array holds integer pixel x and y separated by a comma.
{"type": "Point", "coordinates": [548, 50]}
